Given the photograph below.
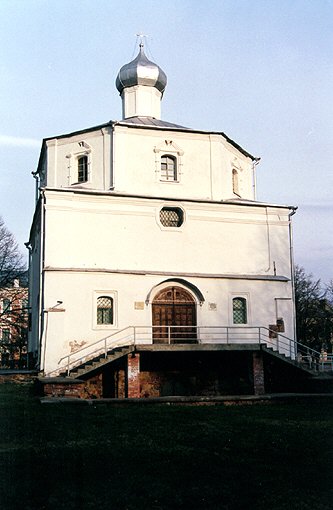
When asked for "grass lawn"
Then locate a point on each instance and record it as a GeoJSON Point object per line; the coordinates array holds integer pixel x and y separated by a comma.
{"type": "Point", "coordinates": [275, 456]}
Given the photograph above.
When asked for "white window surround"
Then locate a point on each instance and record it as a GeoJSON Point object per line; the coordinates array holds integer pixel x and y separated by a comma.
{"type": "Point", "coordinates": [246, 296]}
{"type": "Point", "coordinates": [168, 148]}
{"type": "Point", "coordinates": [170, 205]}
{"type": "Point", "coordinates": [84, 149]}
{"type": "Point", "coordinates": [105, 293]}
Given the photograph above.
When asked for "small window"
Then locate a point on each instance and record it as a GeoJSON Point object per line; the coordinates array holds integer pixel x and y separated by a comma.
{"type": "Point", "coordinates": [235, 187]}
{"type": "Point", "coordinates": [82, 166]}
{"type": "Point", "coordinates": [171, 217]}
{"type": "Point", "coordinates": [239, 310]}
{"type": "Point", "coordinates": [5, 335]}
{"type": "Point", "coordinates": [168, 168]}
{"type": "Point", "coordinates": [6, 305]}
{"type": "Point", "coordinates": [104, 310]}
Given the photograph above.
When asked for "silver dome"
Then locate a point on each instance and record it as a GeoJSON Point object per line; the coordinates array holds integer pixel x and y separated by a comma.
{"type": "Point", "coordinates": [141, 71]}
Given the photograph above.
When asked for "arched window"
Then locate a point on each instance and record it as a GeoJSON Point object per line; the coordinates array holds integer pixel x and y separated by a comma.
{"type": "Point", "coordinates": [168, 168]}
{"type": "Point", "coordinates": [104, 310]}
{"type": "Point", "coordinates": [239, 310]}
{"type": "Point", "coordinates": [82, 168]}
{"type": "Point", "coordinates": [235, 187]}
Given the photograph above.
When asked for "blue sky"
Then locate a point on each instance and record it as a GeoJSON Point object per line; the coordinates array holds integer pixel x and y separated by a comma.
{"type": "Point", "coordinates": [259, 70]}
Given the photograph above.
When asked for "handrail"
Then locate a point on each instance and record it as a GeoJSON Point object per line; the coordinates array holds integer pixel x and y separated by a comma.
{"type": "Point", "coordinates": [136, 335]}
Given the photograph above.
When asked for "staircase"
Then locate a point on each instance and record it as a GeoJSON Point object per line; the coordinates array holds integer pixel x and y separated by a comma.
{"type": "Point", "coordinates": [98, 362]}
{"type": "Point", "coordinates": [125, 341]}
{"type": "Point", "coordinates": [287, 359]}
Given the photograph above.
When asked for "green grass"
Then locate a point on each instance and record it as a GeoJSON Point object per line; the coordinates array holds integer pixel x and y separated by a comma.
{"type": "Point", "coordinates": [152, 457]}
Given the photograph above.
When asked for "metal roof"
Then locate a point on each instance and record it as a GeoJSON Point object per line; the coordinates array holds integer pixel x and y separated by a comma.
{"type": "Point", "coordinates": [150, 121]}
{"type": "Point", "coordinates": [141, 71]}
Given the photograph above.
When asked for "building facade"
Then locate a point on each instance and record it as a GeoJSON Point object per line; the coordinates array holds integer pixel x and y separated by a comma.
{"type": "Point", "coordinates": [147, 233]}
{"type": "Point", "coordinates": [14, 318]}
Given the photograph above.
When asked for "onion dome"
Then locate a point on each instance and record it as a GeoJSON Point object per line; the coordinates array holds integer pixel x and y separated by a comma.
{"type": "Point", "coordinates": [141, 71]}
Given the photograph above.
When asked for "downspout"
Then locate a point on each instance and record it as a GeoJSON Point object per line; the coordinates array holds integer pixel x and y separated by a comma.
{"type": "Point", "coordinates": [113, 158]}
{"type": "Point", "coordinates": [255, 162]}
{"type": "Point", "coordinates": [292, 273]}
{"type": "Point", "coordinates": [36, 177]}
{"type": "Point", "coordinates": [42, 283]}
{"type": "Point", "coordinates": [268, 242]}
{"type": "Point", "coordinates": [210, 167]}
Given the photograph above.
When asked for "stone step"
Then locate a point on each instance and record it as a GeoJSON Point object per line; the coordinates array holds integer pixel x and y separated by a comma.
{"type": "Point", "coordinates": [99, 361]}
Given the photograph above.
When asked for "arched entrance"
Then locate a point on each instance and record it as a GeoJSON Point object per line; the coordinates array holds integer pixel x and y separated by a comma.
{"type": "Point", "coordinates": [174, 316]}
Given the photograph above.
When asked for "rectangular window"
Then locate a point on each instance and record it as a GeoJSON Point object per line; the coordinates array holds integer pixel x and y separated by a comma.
{"type": "Point", "coordinates": [5, 336]}
{"type": "Point", "coordinates": [82, 163]}
{"type": "Point", "coordinates": [239, 310]}
{"type": "Point", "coordinates": [6, 305]}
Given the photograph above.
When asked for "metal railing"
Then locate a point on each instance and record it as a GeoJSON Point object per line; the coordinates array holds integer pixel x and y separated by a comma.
{"type": "Point", "coordinates": [172, 335]}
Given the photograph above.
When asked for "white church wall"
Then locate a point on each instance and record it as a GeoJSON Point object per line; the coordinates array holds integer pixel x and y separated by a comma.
{"type": "Point", "coordinates": [74, 325]}
{"type": "Point", "coordinates": [114, 232]}
{"type": "Point", "coordinates": [204, 162]}
{"type": "Point", "coordinates": [63, 154]}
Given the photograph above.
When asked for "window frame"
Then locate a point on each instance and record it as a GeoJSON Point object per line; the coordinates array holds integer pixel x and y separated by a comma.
{"type": "Point", "coordinates": [73, 158]}
{"type": "Point", "coordinates": [8, 332]}
{"type": "Point", "coordinates": [85, 170]}
{"type": "Point", "coordinates": [173, 171]}
{"type": "Point", "coordinates": [104, 294]}
{"type": "Point", "coordinates": [171, 228]}
{"type": "Point", "coordinates": [235, 181]}
{"type": "Point", "coordinates": [243, 299]}
{"type": "Point", "coordinates": [6, 305]}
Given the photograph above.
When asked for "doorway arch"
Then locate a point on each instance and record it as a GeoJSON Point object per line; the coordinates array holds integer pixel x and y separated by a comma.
{"type": "Point", "coordinates": [174, 316]}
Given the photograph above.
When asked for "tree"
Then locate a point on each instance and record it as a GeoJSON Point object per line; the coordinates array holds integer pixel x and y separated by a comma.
{"type": "Point", "coordinates": [12, 265]}
{"type": "Point", "coordinates": [13, 299]}
{"type": "Point", "coordinates": [314, 311]}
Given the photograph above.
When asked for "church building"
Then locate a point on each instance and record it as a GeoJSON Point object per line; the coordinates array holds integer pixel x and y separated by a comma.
{"type": "Point", "coordinates": [154, 271]}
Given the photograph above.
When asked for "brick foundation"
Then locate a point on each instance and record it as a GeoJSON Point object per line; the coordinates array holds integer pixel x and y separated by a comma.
{"type": "Point", "coordinates": [133, 375]}
{"type": "Point", "coordinates": [71, 388]}
{"type": "Point", "coordinates": [258, 373]}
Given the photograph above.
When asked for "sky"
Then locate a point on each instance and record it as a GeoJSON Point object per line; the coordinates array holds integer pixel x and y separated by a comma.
{"type": "Point", "coordinates": [261, 71]}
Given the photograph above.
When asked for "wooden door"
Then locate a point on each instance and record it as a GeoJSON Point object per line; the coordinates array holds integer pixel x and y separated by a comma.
{"type": "Point", "coordinates": [174, 307]}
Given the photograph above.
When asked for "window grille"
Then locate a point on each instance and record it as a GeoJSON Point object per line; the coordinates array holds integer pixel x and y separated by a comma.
{"type": "Point", "coordinates": [171, 217]}
{"type": "Point", "coordinates": [239, 310]}
{"type": "Point", "coordinates": [168, 168]}
{"type": "Point", "coordinates": [104, 310]}
{"type": "Point", "coordinates": [82, 164]}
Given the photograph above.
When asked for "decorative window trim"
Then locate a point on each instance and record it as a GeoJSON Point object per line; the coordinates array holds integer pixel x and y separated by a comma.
{"type": "Point", "coordinates": [171, 149]}
{"type": "Point", "coordinates": [246, 297]}
{"type": "Point", "coordinates": [109, 294]}
{"type": "Point", "coordinates": [170, 206]}
{"type": "Point", "coordinates": [73, 162]}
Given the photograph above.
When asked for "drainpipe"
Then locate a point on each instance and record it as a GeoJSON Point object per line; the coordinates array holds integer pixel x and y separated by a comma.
{"type": "Point", "coordinates": [36, 177]}
{"type": "Point", "coordinates": [42, 280]}
{"type": "Point", "coordinates": [292, 272]}
{"type": "Point", "coordinates": [113, 158]}
{"type": "Point", "coordinates": [255, 162]}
